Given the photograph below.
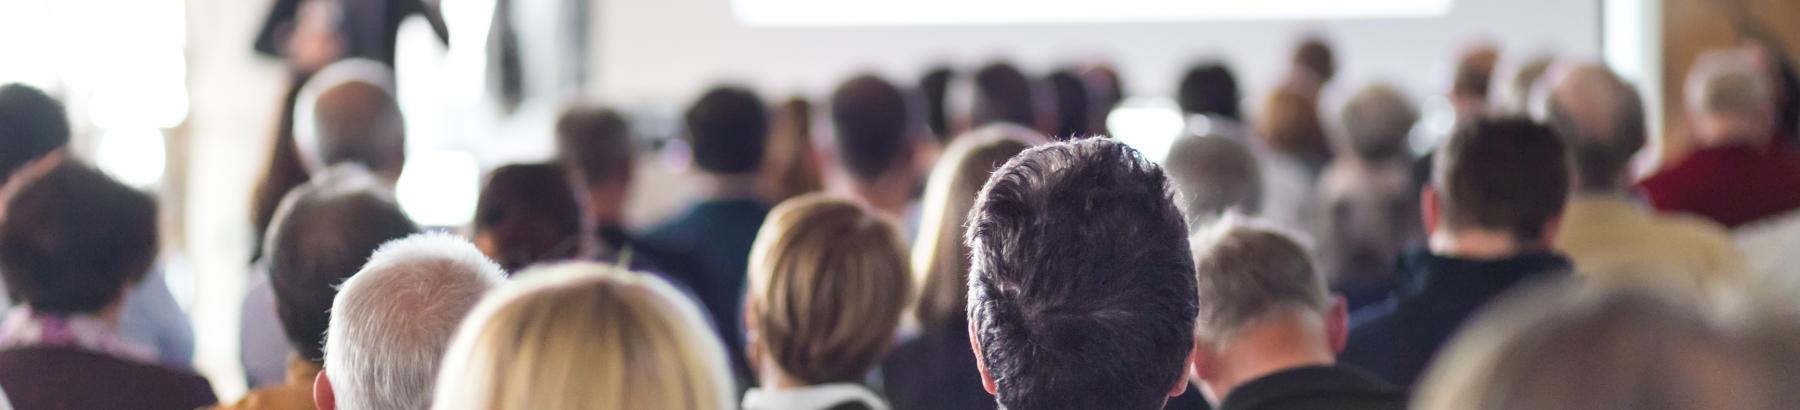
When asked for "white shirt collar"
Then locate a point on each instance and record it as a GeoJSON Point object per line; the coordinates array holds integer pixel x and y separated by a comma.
{"type": "Point", "coordinates": [811, 397]}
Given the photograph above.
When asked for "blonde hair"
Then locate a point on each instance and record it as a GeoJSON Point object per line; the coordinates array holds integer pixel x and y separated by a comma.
{"type": "Point", "coordinates": [585, 336]}
{"type": "Point", "coordinates": [827, 285]}
{"type": "Point", "coordinates": [940, 260]}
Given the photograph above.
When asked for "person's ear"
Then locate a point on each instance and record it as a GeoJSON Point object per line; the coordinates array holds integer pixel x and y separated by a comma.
{"type": "Point", "coordinates": [323, 396]}
{"type": "Point", "coordinates": [987, 379]}
{"type": "Point", "coordinates": [1428, 208]}
{"type": "Point", "coordinates": [1337, 324]}
{"type": "Point", "coordinates": [1181, 383]}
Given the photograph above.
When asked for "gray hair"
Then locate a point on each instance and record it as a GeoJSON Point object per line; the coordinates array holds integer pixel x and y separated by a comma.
{"type": "Point", "coordinates": [1245, 273]}
{"type": "Point", "coordinates": [1601, 118]}
{"type": "Point", "coordinates": [347, 113]}
{"type": "Point", "coordinates": [392, 322]}
{"type": "Point", "coordinates": [1377, 121]}
{"type": "Point", "coordinates": [1211, 176]}
{"type": "Point", "coordinates": [1730, 83]}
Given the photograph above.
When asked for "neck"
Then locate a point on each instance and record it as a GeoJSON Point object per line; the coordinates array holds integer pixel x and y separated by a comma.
{"type": "Point", "coordinates": [1474, 244]}
{"type": "Point", "coordinates": [773, 378]}
{"type": "Point", "coordinates": [887, 200]}
{"type": "Point", "coordinates": [1288, 340]}
{"type": "Point", "coordinates": [729, 186]}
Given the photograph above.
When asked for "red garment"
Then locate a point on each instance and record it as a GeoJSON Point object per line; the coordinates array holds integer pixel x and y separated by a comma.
{"type": "Point", "coordinates": [1733, 186]}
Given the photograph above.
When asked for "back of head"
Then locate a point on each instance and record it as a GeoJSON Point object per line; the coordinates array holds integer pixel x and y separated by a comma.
{"type": "Point", "coordinates": [1213, 175]}
{"type": "Point", "coordinates": [873, 127]}
{"type": "Point", "coordinates": [585, 336]}
{"type": "Point", "coordinates": [1501, 174]}
{"type": "Point", "coordinates": [74, 239]}
{"type": "Point", "coordinates": [1475, 73]}
{"type": "Point", "coordinates": [32, 125]}
{"type": "Point", "coordinates": [1314, 55]}
{"type": "Point", "coordinates": [828, 282]}
{"type": "Point", "coordinates": [1210, 89]}
{"type": "Point", "coordinates": [1601, 119]}
{"type": "Point", "coordinates": [934, 87]}
{"type": "Point", "coordinates": [790, 167]}
{"type": "Point", "coordinates": [1074, 105]}
{"type": "Point", "coordinates": [1525, 82]}
{"type": "Point", "coordinates": [1246, 274]}
{"type": "Point", "coordinates": [392, 322]}
{"type": "Point", "coordinates": [1364, 216]}
{"type": "Point", "coordinates": [322, 234]}
{"type": "Point", "coordinates": [940, 259]}
{"type": "Point", "coordinates": [1290, 125]}
{"type": "Point", "coordinates": [347, 114]}
{"type": "Point", "coordinates": [1004, 94]}
{"type": "Point", "coordinates": [1081, 283]}
{"type": "Point", "coordinates": [727, 130]}
{"type": "Point", "coordinates": [1730, 98]}
{"type": "Point", "coordinates": [528, 214]}
{"type": "Point", "coordinates": [1566, 346]}
{"type": "Point", "coordinates": [1377, 121]}
{"type": "Point", "coordinates": [594, 143]}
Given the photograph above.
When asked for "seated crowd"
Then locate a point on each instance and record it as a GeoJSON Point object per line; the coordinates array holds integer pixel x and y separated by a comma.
{"type": "Point", "coordinates": [976, 243]}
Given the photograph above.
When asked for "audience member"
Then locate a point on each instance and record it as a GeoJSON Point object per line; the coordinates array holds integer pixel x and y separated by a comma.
{"type": "Point", "coordinates": [34, 138]}
{"type": "Point", "coordinates": [347, 114]}
{"type": "Point", "coordinates": [1290, 127]}
{"type": "Point", "coordinates": [1000, 93]}
{"type": "Point", "coordinates": [1469, 87]}
{"type": "Point", "coordinates": [791, 164]}
{"type": "Point", "coordinates": [1314, 65]}
{"type": "Point", "coordinates": [1566, 346]}
{"type": "Point", "coordinates": [1075, 106]}
{"type": "Point", "coordinates": [594, 146]}
{"type": "Point", "coordinates": [1210, 89]}
{"type": "Point", "coordinates": [1377, 122]}
{"type": "Point", "coordinates": [934, 369]}
{"type": "Point", "coordinates": [73, 242]}
{"type": "Point", "coordinates": [875, 141]}
{"type": "Point", "coordinates": [1604, 229]}
{"type": "Point", "coordinates": [1268, 334]}
{"type": "Point", "coordinates": [1490, 212]}
{"type": "Point", "coordinates": [528, 214]}
{"type": "Point", "coordinates": [392, 322]}
{"type": "Point", "coordinates": [727, 130]}
{"type": "Point", "coordinates": [1208, 95]}
{"type": "Point", "coordinates": [934, 90]}
{"type": "Point", "coordinates": [827, 287]}
{"type": "Point", "coordinates": [1213, 175]}
{"type": "Point", "coordinates": [1107, 91]}
{"type": "Point", "coordinates": [1519, 92]}
{"type": "Point", "coordinates": [1367, 210]}
{"type": "Point", "coordinates": [323, 233]}
{"type": "Point", "coordinates": [1081, 283]}
{"type": "Point", "coordinates": [1741, 172]}
{"type": "Point", "coordinates": [584, 336]}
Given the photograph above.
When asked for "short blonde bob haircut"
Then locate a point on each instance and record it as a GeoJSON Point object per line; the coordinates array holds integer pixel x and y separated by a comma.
{"type": "Point", "coordinates": [585, 336]}
{"type": "Point", "coordinates": [828, 283]}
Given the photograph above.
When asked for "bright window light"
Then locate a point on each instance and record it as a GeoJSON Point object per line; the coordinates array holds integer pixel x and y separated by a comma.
{"type": "Point", "coordinates": [439, 189]}
{"type": "Point", "coordinates": [134, 156]}
{"type": "Point", "coordinates": [911, 12]}
{"type": "Point", "coordinates": [1147, 124]}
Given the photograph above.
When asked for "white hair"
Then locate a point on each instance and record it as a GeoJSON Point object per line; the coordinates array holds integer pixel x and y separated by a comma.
{"type": "Point", "coordinates": [1728, 82]}
{"type": "Point", "coordinates": [392, 321]}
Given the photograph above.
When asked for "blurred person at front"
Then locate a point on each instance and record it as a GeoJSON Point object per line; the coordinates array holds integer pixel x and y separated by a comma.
{"type": "Point", "coordinates": [74, 240]}
{"type": "Point", "coordinates": [588, 337]}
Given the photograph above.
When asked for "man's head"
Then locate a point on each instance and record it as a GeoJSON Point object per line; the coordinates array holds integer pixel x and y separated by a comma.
{"type": "Point", "coordinates": [1081, 290]}
{"type": "Point", "coordinates": [1252, 280]}
{"type": "Point", "coordinates": [1314, 55]}
{"type": "Point", "coordinates": [1504, 176]}
{"type": "Point", "coordinates": [1377, 121]}
{"type": "Point", "coordinates": [75, 240]}
{"type": "Point", "coordinates": [526, 214]}
{"type": "Point", "coordinates": [1004, 94]}
{"type": "Point", "coordinates": [1075, 102]}
{"type": "Point", "coordinates": [727, 130]}
{"type": "Point", "coordinates": [934, 89]}
{"type": "Point", "coordinates": [1364, 216]}
{"type": "Point", "coordinates": [347, 114]}
{"type": "Point", "coordinates": [594, 144]}
{"type": "Point", "coordinates": [33, 131]}
{"type": "Point", "coordinates": [875, 135]}
{"type": "Point", "coordinates": [322, 234]}
{"type": "Point", "coordinates": [1213, 175]}
{"type": "Point", "coordinates": [1601, 119]}
{"type": "Point", "coordinates": [1730, 100]}
{"type": "Point", "coordinates": [1209, 89]}
{"type": "Point", "coordinates": [1474, 76]}
{"type": "Point", "coordinates": [1290, 125]}
{"type": "Point", "coordinates": [392, 321]}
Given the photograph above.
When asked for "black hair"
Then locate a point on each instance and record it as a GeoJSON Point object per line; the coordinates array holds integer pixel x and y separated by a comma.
{"type": "Point", "coordinates": [323, 233]}
{"type": "Point", "coordinates": [727, 130]}
{"type": "Point", "coordinates": [1210, 89]}
{"type": "Point", "coordinates": [872, 122]}
{"type": "Point", "coordinates": [74, 239]}
{"type": "Point", "coordinates": [32, 124]}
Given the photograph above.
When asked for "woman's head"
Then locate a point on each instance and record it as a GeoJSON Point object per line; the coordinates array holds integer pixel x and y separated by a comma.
{"type": "Point", "coordinates": [940, 260]}
{"type": "Point", "coordinates": [585, 336]}
{"type": "Point", "coordinates": [527, 214]}
{"type": "Point", "coordinates": [828, 281]}
{"type": "Point", "coordinates": [75, 239]}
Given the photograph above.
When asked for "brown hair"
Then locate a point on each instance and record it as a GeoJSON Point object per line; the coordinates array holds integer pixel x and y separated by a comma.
{"type": "Point", "coordinates": [527, 213]}
{"type": "Point", "coordinates": [828, 283]}
{"type": "Point", "coordinates": [940, 259]}
{"type": "Point", "coordinates": [1507, 174]}
{"type": "Point", "coordinates": [1290, 124]}
{"type": "Point", "coordinates": [595, 144]}
{"type": "Point", "coordinates": [1475, 72]}
{"type": "Point", "coordinates": [788, 167]}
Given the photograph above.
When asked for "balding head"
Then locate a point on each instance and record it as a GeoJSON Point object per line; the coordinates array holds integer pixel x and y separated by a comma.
{"type": "Point", "coordinates": [1730, 99]}
{"type": "Point", "coordinates": [347, 114]}
{"type": "Point", "coordinates": [1601, 119]}
{"type": "Point", "coordinates": [1377, 121]}
{"type": "Point", "coordinates": [1212, 175]}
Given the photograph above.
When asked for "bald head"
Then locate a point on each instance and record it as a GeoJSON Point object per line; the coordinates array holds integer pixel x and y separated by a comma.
{"type": "Point", "coordinates": [1601, 119]}
{"type": "Point", "coordinates": [1730, 99]}
{"type": "Point", "coordinates": [347, 114]}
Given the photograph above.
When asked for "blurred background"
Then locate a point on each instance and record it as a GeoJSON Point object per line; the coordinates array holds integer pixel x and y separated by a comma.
{"type": "Point", "coordinates": [175, 96]}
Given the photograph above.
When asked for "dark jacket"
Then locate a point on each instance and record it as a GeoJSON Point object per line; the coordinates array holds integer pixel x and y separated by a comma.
{"type": "Point", "coordinates": [1316, 388]}
{"type": "Point", "coordinates": [716, 235]}
{"type": "Point", "coordinates": [1397, 339]}
{"type": "Point", "coordinates": [935, 370]}
{"type": "Point", "coordinates": [57, 378]}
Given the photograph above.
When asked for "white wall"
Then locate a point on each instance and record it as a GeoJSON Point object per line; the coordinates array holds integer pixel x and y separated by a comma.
{"type": "Point", "coordinates": [659, 53]}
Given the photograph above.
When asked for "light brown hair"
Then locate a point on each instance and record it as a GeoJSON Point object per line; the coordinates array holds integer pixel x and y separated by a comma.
{"type": "Point", "coordinates": [940, 259]}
